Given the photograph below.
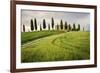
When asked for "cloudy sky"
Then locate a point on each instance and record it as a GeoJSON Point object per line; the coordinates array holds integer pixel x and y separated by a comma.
{"type": "Point", "coordinates": [71, 17]}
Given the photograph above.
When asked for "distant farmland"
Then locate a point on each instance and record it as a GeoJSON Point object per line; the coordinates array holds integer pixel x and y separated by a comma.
{"type": "Point", "coordinates": [55, 46]}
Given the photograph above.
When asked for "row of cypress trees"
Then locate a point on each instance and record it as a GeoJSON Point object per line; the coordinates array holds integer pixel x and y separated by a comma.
{"type": "Point", "coordinates": [62, 26]}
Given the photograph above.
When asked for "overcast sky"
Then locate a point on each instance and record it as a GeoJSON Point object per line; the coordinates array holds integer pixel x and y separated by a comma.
{"type": "Point", "coordinates": [71, 17]}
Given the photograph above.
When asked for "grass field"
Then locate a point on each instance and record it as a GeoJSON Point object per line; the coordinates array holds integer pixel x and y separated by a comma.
{"type": "Point", "coordinates": [55, 46]}
{"type": "Point", "coordinates": [29, 36]}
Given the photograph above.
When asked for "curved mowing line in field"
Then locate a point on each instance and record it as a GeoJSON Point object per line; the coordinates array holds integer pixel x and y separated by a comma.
{"type": "Point", "coordinates": [40, 39]}
{"type": "Point", "coordinates": [68, 43]}
{"type": "Point", "coordinates": [59, 47]}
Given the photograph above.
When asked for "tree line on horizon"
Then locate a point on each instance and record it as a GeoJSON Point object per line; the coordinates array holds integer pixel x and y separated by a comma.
{"type": "Point", "coordinates": [61, 26]}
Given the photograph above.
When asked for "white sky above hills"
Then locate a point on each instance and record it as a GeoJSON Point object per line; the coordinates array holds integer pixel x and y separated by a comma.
{"type": "Point", "coordinates": [70, 17]}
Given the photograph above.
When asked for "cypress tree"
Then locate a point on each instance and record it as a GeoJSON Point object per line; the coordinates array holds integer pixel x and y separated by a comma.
{"type": "Point", "coordinates": [57, 27]}
{"type": "Point", "coordinates": [48, 26]}
{"type": "Point", "coordinates": [78, 27]}
{"type": "Point", "coordinates": [69, 27]}
{"type": "Point", "coordinates": [61, 24]}
{"type": "Point", "coordinates": [74, 27]}
{"type": "Point", "coordinates": [35, 24]}
{"type": "Point", "coordinates": [65, 25]}
{"type": "Point", "coordinates": [52, 22]}
{"type": "Point", "coordinates": [23, 28]}
{"type": "Point", "coordinates": [32, 26]}
{"type": "Point", "coordinates": [44, 24]}
{"type": "Point", "coordinates": [40, 28]}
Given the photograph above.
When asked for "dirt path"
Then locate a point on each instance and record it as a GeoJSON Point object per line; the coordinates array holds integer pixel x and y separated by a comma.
{"type": "Point", "coordinates": [46, 40]}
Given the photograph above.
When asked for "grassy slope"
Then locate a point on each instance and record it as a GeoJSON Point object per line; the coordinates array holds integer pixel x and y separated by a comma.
{"type": "Point", "coordinates": [59, 47]}
{"type": "Point", "coordinates": [29, 36]}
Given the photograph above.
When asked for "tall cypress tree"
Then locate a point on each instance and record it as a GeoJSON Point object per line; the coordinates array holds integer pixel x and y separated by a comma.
{"type": "Point", "coordinates": [66, 26]}
{"type": "Point", "coordinates": [40, 27]}
{"type": "Point", "coordinates": [70, 27]}
{"type": "Point", "coordinates": [61, 24]}
{"type": "Point", "coordinates": [35, 23]}
{"type": "Point", "coordinates": [23, 28]}
{"type": "Point", "coordinates": [74, 27]}
{"type": "Point", "coordinates": [32, 26]}
{"type": "Point", "coordinates": [52, 22]}
{"type": "Point", "coordinates": [48, 26]}
{"type": "Point", "coordinates": [57, 27]}
{"type": "Point", "coordinates": [78, 27]}
{"type": "Point", "coordinates": [44, 24]}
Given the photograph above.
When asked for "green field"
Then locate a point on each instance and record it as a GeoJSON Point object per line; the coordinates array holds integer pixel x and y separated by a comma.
{"type": "Point", "coordinates": [29, 36]}
{"type": "Point", "coordinates": [54, 46]}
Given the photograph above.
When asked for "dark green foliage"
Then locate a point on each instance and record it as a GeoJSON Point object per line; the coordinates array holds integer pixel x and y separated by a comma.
{"type": "Point", "coordinates": [32, 26]}
{"type": "Point", "coordinates": [35, 24]}
{"type": "Point", "coordinates": [61, 24]}
{"type": "Point", "coordinates": [52, 23]}
{"type": "Point", "coordinates": [78, 29]}
{"type": "Point", "coordinates": [74, 27]}
{"type": "Point", "coordinates": [40, 28]}
{"type": "Point", "coordinates": [44, 24]}
{"type": "Point", "coordinates": [23, 28]}
{"type": "Point", "coordinates": [69, 27]}
{"type": "Point", "coordinates": [65, 25]}
{"type": "Point", "coordinates": [48, 26]}
{"type": "Point", "coordinates": [57, 27]}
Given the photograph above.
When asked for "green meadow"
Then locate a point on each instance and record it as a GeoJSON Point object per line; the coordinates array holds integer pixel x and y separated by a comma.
{"type": "Point", "coordinates": [44, 46]}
